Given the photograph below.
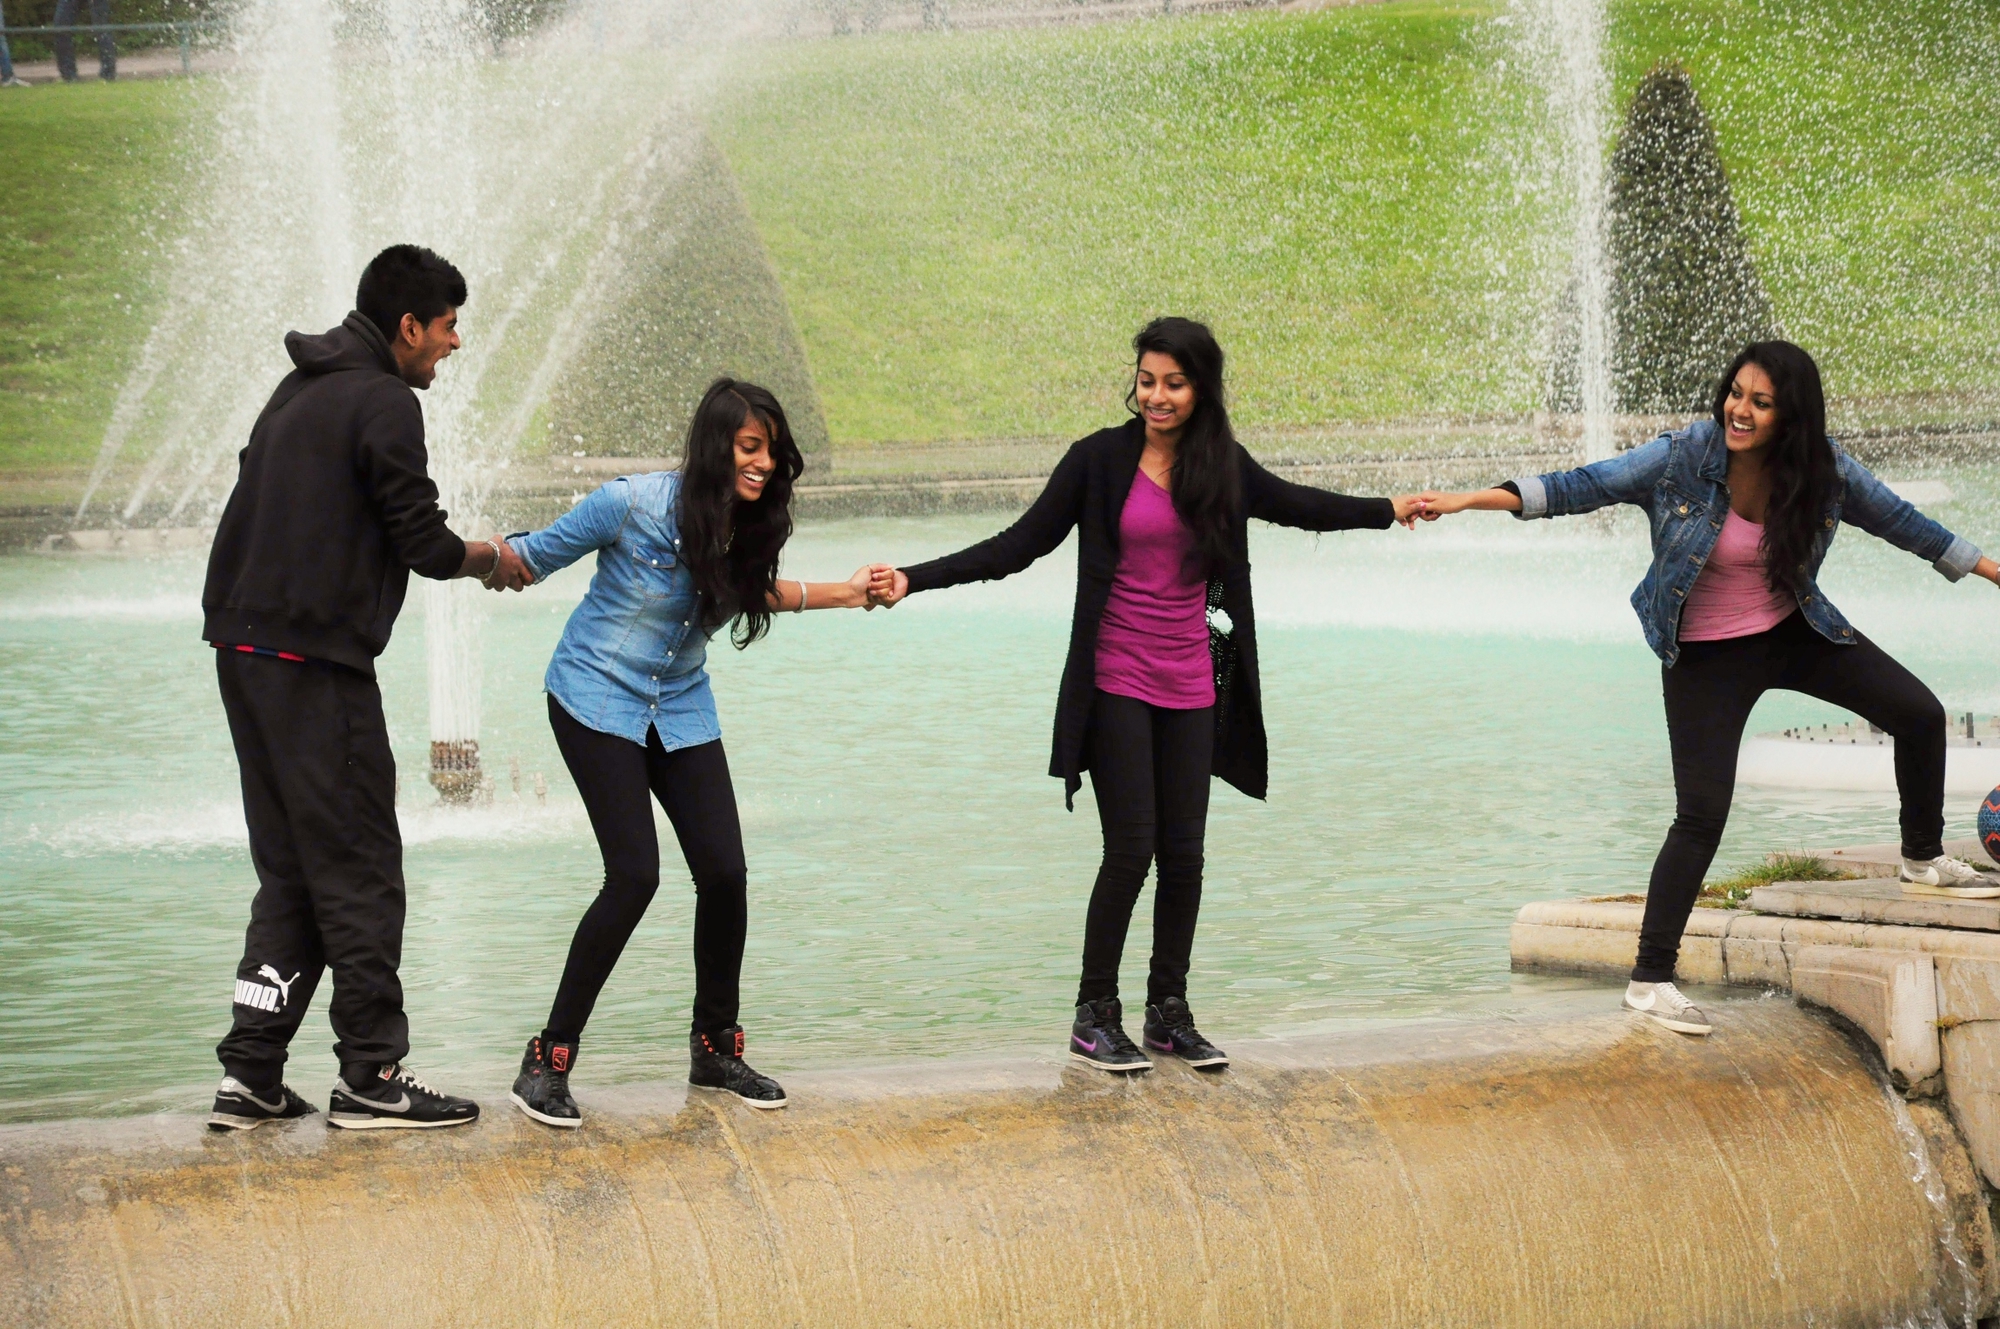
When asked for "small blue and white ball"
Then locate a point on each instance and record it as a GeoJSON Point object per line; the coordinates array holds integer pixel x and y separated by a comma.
{"type": "Point", "coordinates": [1989, 825]}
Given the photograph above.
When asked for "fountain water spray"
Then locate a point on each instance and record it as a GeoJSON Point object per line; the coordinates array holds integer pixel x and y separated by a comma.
{"type": "Point", "coordinates": [347, 127]}
{"type": "Point", "coordinates": [1565, 40]}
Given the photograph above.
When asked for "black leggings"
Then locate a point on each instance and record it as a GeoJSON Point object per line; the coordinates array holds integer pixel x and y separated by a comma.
{"type": "Point", "coordinates": [614, 774]}
{"type": "Point", "coordinates": [1149, 768]}
{"type": "Point", "coordinates": [1709, 694]}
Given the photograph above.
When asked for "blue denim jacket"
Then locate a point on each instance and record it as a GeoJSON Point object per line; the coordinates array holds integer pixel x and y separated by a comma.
{"type": "Point", "coordinates": [1680, 480]}
{"type": "Point", "coordinates": [633, 657]}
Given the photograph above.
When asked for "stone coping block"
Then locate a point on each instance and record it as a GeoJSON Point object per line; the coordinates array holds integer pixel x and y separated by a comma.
{"type": "Point", "coordinates": [1874, 900]}
{"type": "Point", "coordinates": [1720, 946]}
{"type": "Point", "coordinates": [1891, 995]}
{"type": "Point", "coordinates": [1890, 856]}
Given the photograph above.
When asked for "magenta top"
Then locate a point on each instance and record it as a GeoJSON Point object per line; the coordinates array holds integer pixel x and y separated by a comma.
{"type": "Point", "coordinates": [1152, 643]}
{"type": "Point", "coordinates": [1731, 598]}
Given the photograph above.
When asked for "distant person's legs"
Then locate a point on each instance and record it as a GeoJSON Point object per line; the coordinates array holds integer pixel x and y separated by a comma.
{"type": "Point", "coordinates": [64, 43]}
{"type": "Point", "coordinates": [107, 47]}
{"type": "Point", "coordinates": [7, 79]}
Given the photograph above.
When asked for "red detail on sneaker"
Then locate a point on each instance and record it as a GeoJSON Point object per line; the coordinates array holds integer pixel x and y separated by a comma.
{"type": "Point", "coordinates": [559, 1058]}
{"type": "Point", "coordinates": [739, 1043]}
{"type": "Point", "coordinates": [388, 1071]}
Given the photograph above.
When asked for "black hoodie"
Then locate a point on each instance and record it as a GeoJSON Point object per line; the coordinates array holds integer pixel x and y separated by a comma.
{"type": "Point", "coordinates": [333, 508]}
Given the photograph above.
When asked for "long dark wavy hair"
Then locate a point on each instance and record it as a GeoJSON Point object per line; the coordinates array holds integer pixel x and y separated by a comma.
{"type": "Point", "coordinates": [731, 547]}
{"type": "Point", "coordinates": [1208, 483]}
{"type": "Point", "coordinates": [1799, 460]}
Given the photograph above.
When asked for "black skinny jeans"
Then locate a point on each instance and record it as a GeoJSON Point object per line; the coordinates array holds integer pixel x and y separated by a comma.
{"type": "Point", "coordinates": [615, 775]}
{"type": "Point", "coordinates": [1709, 694]}
{"type": "Point", "coordinates": [1149, 767]}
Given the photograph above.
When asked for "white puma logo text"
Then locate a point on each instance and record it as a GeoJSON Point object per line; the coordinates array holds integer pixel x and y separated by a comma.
{"type": "Point", "coordinates": [260, 998]}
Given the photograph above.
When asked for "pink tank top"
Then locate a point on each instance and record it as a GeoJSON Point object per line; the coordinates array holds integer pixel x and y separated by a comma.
{"type": "Point", "coordinates": [1731, 598]}
{"type": "Point", "coordinates": [1152, 643]}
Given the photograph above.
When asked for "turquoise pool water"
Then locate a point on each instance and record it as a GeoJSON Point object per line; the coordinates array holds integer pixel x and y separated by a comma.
{"type": "Point", "coordinates": [1461, 720]}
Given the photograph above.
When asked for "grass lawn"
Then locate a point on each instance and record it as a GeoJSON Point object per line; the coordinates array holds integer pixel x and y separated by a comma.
{"type": "Point", "coordinates": [89, 215]}
{"type": "Point", "coordinates": [971, 225]}
{"type": "Point", "coordinates": [1863, 145]}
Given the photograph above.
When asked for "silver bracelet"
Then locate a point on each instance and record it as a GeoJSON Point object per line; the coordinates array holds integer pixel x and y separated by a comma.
{"type": "Point", "coordinates": [802, 599]}
{"type": "Point", "coordinates": [487, 580]}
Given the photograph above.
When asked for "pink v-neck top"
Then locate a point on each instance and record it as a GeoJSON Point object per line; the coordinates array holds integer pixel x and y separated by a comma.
{"type": "Point", "coordinates": [1152, 642]}
{"type": "Point", "coordinates": [1731, 597]}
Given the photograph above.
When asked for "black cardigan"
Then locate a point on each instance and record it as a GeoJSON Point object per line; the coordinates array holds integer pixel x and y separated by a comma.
{"type": "Point", "coordinates": [1088, 490]}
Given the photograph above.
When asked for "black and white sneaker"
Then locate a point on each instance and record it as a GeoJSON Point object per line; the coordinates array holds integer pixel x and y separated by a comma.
{"type": "Point", "coordinates": [238, 1107]}
{"type": "Point", "coordinates": [715, 1061]}
{"type": "Point", "coordinates": [1098, 1039]}
{"type": "Point", "coordinates": [542, 1088]}
{"type": "Point", "coordinates": [1170, 1029]}
{"type": "Point", "coordinates": [394, 1098]}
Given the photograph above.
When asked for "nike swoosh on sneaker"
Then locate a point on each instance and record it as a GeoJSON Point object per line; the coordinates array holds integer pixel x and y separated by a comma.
{"type": "Point", "coordinates": [402, 1103]}
{"type": "Point", "coordinates": [1087, 1047]}
{"type": "Point", "coordinates": [247, 1096]}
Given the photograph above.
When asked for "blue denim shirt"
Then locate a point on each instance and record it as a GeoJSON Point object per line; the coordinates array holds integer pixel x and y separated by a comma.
{"type": "Point", "coordinates": [1680, 479]}
{"type": "Point", "coordinates": [633, 657]}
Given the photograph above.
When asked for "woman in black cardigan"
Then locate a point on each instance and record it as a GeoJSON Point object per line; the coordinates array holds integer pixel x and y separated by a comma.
{"type": "Point", "coordinates": [1156, 696]}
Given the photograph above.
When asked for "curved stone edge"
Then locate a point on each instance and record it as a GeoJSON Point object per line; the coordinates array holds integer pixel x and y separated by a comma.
{"type": "Point", "coordinates": [1927, 999]}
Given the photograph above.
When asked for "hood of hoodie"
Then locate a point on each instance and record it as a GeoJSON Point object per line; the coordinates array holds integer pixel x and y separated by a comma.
{"type": "Point", "coordinates": [356, 344]}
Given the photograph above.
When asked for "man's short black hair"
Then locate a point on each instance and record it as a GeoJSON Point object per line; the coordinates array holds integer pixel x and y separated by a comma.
{"type": "Point", "coordinates": [407, 279]}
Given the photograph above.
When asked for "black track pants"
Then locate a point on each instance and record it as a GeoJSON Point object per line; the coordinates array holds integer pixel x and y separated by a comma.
{"type": "Point", "coordinates": [319, 796]}
{"type": "Point", "coordinates": [616, 776]}
{"type": "Point", "coordinates": [1149, 768]}
{"type": "Point", "coordinates": [1709, 693]}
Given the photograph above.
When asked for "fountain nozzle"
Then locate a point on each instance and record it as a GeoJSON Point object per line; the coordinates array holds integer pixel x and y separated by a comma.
{"type": "Point", "coordinates": [455, 772]}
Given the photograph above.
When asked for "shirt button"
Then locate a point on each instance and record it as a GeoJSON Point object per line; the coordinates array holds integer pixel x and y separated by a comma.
{"type": "Point", "coordinates": [670, 655]}
{"type": "Point", "coordinates": [656, 678]}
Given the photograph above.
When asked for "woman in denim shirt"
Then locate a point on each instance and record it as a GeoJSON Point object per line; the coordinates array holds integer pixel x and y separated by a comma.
{"type": "Point", "coordinates": [1743, 508]}
{"type": "Point", "coordinates": [679, 555]}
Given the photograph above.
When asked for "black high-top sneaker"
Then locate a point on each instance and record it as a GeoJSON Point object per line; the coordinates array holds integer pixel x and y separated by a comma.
{"type": "Point", "coordinates": [394, 1097]}
{"type": "Point", "coordinates": [1170, 1028]}
{"type": "Point", "coordinates": [1098, 1038]}
{"type": "Point", "coordinates": [542, 1088]}
{"type": "Point", "coordinates": [238, 1107]}
{"type": "Point", "coordinates": [715, 1061]}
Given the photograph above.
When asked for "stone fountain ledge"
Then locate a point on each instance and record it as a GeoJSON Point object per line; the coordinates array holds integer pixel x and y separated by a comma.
{"type": "Point", "coordinates": [1431, 1173]}
{"type": "Point", "coordinates": [1920, 976]}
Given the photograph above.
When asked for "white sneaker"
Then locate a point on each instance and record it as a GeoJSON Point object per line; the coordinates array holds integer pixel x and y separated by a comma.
{"type": "Point", "coordinates": [1948, 876]}
{"type": "Point", "coordinates": [1663, 1002]}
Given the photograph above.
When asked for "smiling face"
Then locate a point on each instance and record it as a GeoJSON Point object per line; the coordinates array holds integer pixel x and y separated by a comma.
{"type": "Point", "coordinates": [1750, 414]}
{"type": "Point", "coordinates": [753, 458]}
{"type": "Point", "coordinates": [1165, 395]}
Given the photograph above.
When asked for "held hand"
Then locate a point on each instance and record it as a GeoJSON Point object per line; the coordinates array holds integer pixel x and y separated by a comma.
{"type": "Point", "coordinates": [888, 585]}
{"type": "Point", "coordinates": [857, 587]}
{"type": "Point", "coordinates": [1409, 507]}
{"type": "Point", "coordinates": [511, 573]}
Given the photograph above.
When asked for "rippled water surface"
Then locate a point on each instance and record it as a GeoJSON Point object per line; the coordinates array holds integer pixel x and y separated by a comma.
{"type": "Point", "coordinates": [1461, 720]}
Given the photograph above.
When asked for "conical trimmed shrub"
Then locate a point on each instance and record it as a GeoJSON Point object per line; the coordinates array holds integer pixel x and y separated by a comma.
{"type": "Point", "coordinates": [1685, 295]}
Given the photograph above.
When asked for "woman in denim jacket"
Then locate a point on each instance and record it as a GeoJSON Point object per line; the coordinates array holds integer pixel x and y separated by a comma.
{"type": "Point", "coordinates": [679, 555]}
{"type": "Point", "coordinates": [1743, 508]}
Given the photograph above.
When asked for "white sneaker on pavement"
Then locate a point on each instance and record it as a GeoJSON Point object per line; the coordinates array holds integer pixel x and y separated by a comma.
{"type": "Point", "coordinates": [1663, 1002]}
{"type": "Point", "coordinates": [1948, 876]}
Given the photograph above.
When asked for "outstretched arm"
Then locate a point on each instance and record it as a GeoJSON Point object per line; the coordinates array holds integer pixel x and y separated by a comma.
{"type": "Point", "coordinates": [797, 596]}
{"type": "Point", "coordinates": [1283, 503]}
{"type": "Point", "coordinates": [1432, 503]}
{"type": "Point", "coordinates": [1041, 528]}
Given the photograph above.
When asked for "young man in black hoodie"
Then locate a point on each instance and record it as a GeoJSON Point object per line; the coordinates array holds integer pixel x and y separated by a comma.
{"type": "Point", "coordinates": [332, 511]}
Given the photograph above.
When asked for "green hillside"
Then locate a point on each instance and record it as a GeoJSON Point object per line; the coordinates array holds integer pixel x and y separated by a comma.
{"type": "Point", "coordinates": [967, 227]}
{"type": "Point", "coordinates": [89, 213]}
{"type": "Point", "coordinates": [970, 226]}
